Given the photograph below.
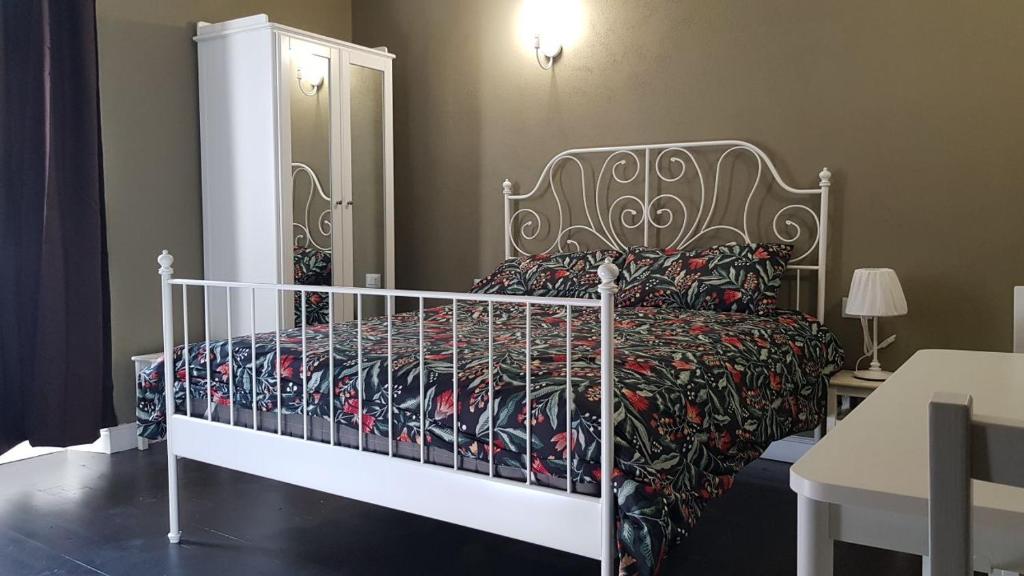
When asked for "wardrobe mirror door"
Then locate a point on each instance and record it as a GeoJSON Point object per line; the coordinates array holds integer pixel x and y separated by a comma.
{"type": "Point", "coordinates": [313, 225]}
{"type": "Point", "coordinates": [368, 218]}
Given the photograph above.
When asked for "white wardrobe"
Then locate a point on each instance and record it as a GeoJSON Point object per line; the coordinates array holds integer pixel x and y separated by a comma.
{"type": "Point", "coordinates": [297, 165]}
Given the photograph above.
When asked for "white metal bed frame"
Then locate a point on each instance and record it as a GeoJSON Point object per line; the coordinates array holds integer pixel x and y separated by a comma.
{"type": "Point", "coordinates": [573, 522]}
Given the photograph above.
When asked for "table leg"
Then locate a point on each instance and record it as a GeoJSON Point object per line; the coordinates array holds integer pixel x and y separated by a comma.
{"type": "Point", "coordinates": [814, 542]}
{"type": "Point", "coordinates": [831, 410]}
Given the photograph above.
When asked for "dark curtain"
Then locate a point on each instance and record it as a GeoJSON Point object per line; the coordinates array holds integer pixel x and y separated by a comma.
{"type": "Point", "coordinates": [55, 378]}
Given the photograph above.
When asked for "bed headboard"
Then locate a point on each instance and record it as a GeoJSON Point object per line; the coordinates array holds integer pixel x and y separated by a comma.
{"type": "Point", "coordinates": [304, 229]}
{"type": "Point", "coordinates": [676, 195]}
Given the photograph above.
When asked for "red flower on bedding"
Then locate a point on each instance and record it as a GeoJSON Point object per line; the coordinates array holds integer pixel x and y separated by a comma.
{"type": "Point", "coordinates": [616, 473]}
{"type": "Point", "coordinates": [538, 467]}
{"type": "Point", "coordinates": [560, 443]}
{"type": "Point", "coordinates": [682, 365]}
{"type": "Point", "coordinates": [693, 413]}
{"type": "Point", "coordinates": [731, 296]}
{"type": "Point", "coordinates": [289, 366]}
{"type": "Point", "coordinates": [697, 263]}
{"type": "Point", "coordinates": [444, 408]}
{"type": "Point", "coordinates": [723, 441]}
{"type": "Point", "coordinates": [736, 375]}
{"type": "Point", "coordinates": [732, 341]}
{"type": "Point", "coordinates": [637, 401]}
{"type": "Point", "coordinates": [638, 366]}
{"type": "Point", "coordinates": [351, 406]}
{"type": "Point", "coordinates": [368, 421]}
{"type": "Point", "coordinates": [761, 254]}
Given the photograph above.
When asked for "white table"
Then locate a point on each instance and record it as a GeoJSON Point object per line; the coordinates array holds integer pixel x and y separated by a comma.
{"type": "Point", "coordinates": [866, 482]}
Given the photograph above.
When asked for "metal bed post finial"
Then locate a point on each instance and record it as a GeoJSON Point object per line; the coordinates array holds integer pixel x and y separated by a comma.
{"type": "Point", "coordinates": [609, 274]}
{"type": "Point", "coordinates": [167, 305]}
{"type": "Point", "coordinates": [506, 191]}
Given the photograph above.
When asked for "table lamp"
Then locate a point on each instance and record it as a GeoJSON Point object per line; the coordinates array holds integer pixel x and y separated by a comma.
{"type": "Point", "coordinates": [874, 292]}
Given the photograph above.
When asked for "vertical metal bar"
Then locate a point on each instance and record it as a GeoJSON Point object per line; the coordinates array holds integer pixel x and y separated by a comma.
{"type": "Point", "coordinates": [277, 343]}
{"type": "Point", "coordinates": [167, 308]}
{"type": "Point", "coordinates": [359, 367]}
{"type": "Point", "coordinates": [231, 362]}
{"type": "Point", "coordinates": [568, 399]}
{"type": "Point", "coordinates": [608, 273]}
{"type": "Point", "coordinates": [455, 384]}
{"type": "Point", "coordinates": [389, 304]}
{"type": "Point", "coordinates": [423, 411]}
{"type": "Point", "coordinates": [506, 192]}
{"type": "Point", "coordinates": [490, 386]}
{"type": "Point", "coordinates": [184, 353]}
{"type": "Point", "coordinates": [330, 361]}
{"type": "Point", "coordinates": [206, 326]}
{"type": "Point", "coordinates": [252, 358]}
{"type": "Point", "coordinates": [305, 392]}
{"type": "Point", "coordinates": [797, 289]}
{"type": "Point", "coordinates": [825, 181]}
{"type": "Point", "coordinates": [529, 411]}
{"type": "Point", "coordinates": [647, 197]}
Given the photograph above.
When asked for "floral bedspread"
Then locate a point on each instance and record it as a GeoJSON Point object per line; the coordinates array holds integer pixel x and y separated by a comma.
{"type": "Point", "coordinates": [699, 395]}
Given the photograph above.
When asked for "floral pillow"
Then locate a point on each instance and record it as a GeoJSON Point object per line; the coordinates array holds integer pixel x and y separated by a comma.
{"type": "Point", "coordinates": [727, 278]}
{"type": "Point", "coordinates": [567, 275]}
{"type": "Point", "coordinates": [506, 279]}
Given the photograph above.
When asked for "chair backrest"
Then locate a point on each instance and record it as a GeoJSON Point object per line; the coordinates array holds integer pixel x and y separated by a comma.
{"type": "Point", "coordinates": [961, 447]}
{"type": "Point", "coordinates": [1018, 319]}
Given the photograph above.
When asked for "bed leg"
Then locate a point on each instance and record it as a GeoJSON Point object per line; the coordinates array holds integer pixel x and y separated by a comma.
{"type": "Point", "coordinates": [143, 444]}
{"type": "Point", "coordinates": [813, 540]}
{"type": "Point", "coordinates": [174, 531]}
{"type": "Point", "coordinates": [165, 260]}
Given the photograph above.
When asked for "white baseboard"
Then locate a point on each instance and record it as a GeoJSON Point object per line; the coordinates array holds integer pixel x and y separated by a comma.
{"type": "Point", "coordinates": [111, 440]}
{"type": "Point", "coordinates": [789, 449]}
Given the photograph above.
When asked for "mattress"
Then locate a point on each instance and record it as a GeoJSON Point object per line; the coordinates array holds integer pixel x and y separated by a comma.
{"type": "Point", "coordinates": [699, 395]}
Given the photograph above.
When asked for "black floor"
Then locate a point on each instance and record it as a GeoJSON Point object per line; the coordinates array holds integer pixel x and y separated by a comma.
{"type": "Point", "coordinates": [75, 513]}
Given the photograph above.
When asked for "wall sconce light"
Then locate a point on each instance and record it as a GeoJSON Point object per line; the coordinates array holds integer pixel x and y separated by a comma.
{"type": "Point", "coordinates": [310, 72]}
{"type": "Point", "coordinates": [549, 26]}
{"type": "Point", "coordinates": [546, 51]}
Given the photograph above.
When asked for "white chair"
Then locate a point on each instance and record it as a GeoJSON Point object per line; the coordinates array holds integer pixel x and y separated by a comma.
{"type": "Point", "coordinates": [961, 447]}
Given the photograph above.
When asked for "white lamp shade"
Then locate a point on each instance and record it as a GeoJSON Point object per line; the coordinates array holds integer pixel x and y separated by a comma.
{"type": "Point", "coordinates": [876, 292]}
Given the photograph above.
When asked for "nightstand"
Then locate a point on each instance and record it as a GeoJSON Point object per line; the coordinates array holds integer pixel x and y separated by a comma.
{"type": "Point", "coordinates": [844, 383]}
{"type": "Point", "coordinates": [142, 362]}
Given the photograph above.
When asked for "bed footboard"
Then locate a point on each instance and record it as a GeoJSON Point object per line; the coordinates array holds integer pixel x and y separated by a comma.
{"type": "Point", "coordinates": [571, 521]}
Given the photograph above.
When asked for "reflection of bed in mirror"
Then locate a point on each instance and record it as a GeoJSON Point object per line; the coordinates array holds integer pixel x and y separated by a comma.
{"type": "Point", "coordinates": [312, 241]}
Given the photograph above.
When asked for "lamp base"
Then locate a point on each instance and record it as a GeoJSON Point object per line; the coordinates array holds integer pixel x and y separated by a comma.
{"type": "Point", "coordinates": [873, 375]}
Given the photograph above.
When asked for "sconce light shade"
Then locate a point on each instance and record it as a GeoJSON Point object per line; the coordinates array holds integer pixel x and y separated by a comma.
{"type": "Point", "coordinates": [876, 292]}
{"type": "Point", "coordinates": [310, 71]}
{"type": "Point", "coordinates": [551, 25]}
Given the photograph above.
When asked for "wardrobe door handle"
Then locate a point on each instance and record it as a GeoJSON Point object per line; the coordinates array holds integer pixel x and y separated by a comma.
{"type": "Point", "coordinates": [346, 203]}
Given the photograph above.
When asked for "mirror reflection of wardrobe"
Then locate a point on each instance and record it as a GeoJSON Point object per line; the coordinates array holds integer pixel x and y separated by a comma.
{"type": "Point", "coordinates": [297, 168]}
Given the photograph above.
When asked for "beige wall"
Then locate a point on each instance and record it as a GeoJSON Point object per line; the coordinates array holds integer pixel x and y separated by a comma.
{"type": "Point", "coordinates": [148, 106]}
{"type": "Point", "coordinates": [915, 105]}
